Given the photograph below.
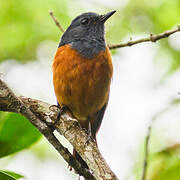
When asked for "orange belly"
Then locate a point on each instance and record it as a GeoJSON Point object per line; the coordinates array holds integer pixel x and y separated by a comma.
{"type": "Point", "coordinates": [82, 84]}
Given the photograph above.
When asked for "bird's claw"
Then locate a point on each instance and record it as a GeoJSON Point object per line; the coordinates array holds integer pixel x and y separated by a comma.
{"type": "Point", "coordinates": [62, 110]}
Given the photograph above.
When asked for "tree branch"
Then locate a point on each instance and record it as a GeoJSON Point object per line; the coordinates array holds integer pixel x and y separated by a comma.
{"type": "Point", "coordinates": [9, 102]}
{"type": "Point", "coordinates": [41, 114]}
{"type": "Point", "coordinates": [151, 38]}
{"type": "Point", "coordinates": [56, 21]}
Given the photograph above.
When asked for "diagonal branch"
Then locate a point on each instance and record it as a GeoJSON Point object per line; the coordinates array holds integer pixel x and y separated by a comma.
{"type": "Point", "coordinates": [9, 102]}
{"type": "Point", "coordinates": [41, 114]}
{"type": "Point", "coordinates": [56, 21]}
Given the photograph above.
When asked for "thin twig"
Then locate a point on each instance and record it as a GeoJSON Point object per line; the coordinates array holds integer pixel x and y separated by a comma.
{"type": "Point", "coordinates": [147, 143]}
{"type": "Point", "coordinates": [56, 21]}
{"type": "Point", "coordinates": [151, 38]}
{"type": "Point", "coordinates": [146, 155]}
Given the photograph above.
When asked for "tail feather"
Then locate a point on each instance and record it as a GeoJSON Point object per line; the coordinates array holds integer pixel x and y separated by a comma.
{"type": "Point", "coordinates": [95, 125]}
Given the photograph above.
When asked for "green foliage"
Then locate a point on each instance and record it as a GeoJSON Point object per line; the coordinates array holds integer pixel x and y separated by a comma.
{"type": "Point", "coordinates": [165, 165]}
{"type": "Point", "coordinates": [4, 176]}
{"type": "Point", "coordinates": [16, 133]}
{"type": "Point", "coordinates": [9, 175]}
{"type": "Point", "coordinates": [24, 24]}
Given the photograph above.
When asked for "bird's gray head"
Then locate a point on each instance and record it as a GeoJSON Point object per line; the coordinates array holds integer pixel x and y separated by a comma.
{"type": "Point", "coordinates": [86, 33]}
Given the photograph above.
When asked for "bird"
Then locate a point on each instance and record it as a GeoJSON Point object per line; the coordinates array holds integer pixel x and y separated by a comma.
{"type": "Point", "coordinates": [82, 72]}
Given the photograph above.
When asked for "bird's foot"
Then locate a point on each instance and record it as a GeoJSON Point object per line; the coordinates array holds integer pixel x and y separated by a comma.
{"type": "Point", "coordinates": [90, 137]}
{"type": "Point", "coordinates": [62, 110]}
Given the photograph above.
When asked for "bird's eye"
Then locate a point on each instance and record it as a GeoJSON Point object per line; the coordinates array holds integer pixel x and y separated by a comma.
{"type": "Point", "coordinates": [85, 21]}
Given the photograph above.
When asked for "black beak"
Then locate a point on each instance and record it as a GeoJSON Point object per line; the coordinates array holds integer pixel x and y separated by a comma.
{"type": "Point", "coordinates": [105, 17]}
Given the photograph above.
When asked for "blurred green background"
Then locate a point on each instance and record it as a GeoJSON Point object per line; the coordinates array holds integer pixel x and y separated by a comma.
{"type": "Point", "coordinates": [26, 24]}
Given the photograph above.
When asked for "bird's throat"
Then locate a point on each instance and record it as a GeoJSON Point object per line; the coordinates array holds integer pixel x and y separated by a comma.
{"type": "Point", "coordinates": [88, 48]}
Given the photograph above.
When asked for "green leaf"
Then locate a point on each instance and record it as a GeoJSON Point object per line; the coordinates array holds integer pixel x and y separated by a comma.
{"type": "Point", "coordinates": [5, 176]}
{"type": "Point", "coordinates": [12, 174]}
{"type": "Point", "coordinates": [16, 133]}
{"type": "Point", "coordinates": [165, 165]}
